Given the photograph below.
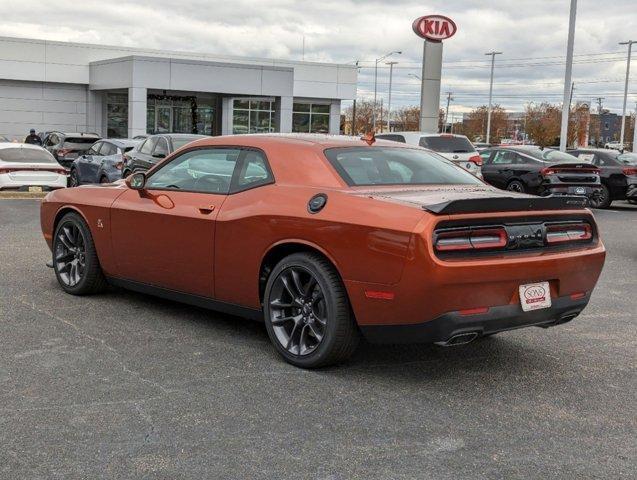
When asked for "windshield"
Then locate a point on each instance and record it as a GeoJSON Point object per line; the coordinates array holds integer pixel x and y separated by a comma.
{"type": "Point", "coordinates": [627, 158]}
{"type": "Point", "coordinates": [548, 155]}
{"type": "Point", "coordinates": [180, 142]}
{"type": "Point", "coordinates": [447, 144]}
{"type": "Point", "coordinates": [360, 166]}
{"type": "Point", "coordinates": [26, 155]}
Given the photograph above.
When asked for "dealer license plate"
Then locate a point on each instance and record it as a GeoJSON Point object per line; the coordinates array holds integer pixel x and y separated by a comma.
{"type": "Point", "coordinates": [35, 189]}
{"type": "Point", "coordinates": [535, 296]}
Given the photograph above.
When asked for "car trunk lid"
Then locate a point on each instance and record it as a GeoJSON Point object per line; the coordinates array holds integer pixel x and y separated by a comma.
{"type": "Point", "coordinates": [454, 199]}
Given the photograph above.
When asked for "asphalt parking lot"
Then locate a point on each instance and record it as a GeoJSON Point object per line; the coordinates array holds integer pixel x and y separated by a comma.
{"type": "Point", "coordinates": [124, 385]}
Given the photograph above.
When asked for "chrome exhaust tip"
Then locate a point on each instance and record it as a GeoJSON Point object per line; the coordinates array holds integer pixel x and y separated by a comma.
{"type": "Point", "coordinates": [459, 339]}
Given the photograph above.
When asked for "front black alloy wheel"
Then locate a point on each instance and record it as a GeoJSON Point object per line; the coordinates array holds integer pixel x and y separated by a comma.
{"type": "Point", "coordinates": [308, 316]}
{"type": "Point", "coordinates": [75, 259]}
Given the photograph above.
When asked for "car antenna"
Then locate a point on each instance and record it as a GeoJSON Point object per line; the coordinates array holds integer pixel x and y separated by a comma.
{"type": "Point", "coordinates": [369, 137]}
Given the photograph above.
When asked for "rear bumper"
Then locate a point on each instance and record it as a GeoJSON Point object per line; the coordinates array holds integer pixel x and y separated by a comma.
{"type": "Point", "coordinates": [497, 319]}
{"type": "Point", "coordinates": [631, 191]}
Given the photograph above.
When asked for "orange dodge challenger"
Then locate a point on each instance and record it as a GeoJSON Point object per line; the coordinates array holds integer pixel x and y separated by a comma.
{"type": "Point", "coordinates": [326, 238]}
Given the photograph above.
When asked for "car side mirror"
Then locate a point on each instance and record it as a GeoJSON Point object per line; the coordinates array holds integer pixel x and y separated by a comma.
{"type": "Point", "coordinates": [136, 181]}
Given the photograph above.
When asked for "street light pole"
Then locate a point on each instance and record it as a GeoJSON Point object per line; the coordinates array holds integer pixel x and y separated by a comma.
{"type": "Point", "coordinates": [449, 98]}
{"type": "Point", "coordinates": [391, 72]}
{"type": "Point", "coordinates": [623, 130]}
{"type": "Point", "coordinates": [568, 73]}
{"type": "Point", "coordinates": [376, 84]}
{"type": "Point", "coordinates": [493, 54]}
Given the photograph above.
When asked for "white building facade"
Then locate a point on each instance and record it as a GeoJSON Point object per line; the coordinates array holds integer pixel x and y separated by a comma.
{"type": "Point", "coordinates": [122, 92]}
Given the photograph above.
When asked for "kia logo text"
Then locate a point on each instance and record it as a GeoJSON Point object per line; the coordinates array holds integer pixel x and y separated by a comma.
{"type": "Point", "coordinates": [434, 28]}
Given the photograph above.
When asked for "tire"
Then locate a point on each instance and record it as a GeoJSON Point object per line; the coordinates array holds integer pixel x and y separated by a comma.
{"type": "Point", "coordinates": [75, 261]}
{"type": "Point", "coordinates": [126, 173]}
{"type": "Point", "coordinates": [103, 179]}
{"type": "Point", "coordinates": [602, 200]}
{"type": "Point", "coordinates": [632, 201]}
{"type": "Point", "coordinates": [74, 179]}
{"type": "Point", "coordinates": [305, 290]}
{"type": "Point", "coordinates": [516, 186]}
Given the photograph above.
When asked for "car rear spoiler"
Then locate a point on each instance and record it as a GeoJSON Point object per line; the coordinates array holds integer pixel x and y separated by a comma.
{"type": "Point", "coordinates": [507, 204]}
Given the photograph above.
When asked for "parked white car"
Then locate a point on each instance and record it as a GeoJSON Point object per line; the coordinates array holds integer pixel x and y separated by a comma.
{"type": "Point", "coordinates": [456, 148]}
{"type": "Point", "coordinates": [29, 168]}
{"type": "Point", "coordinates": [614, 146]}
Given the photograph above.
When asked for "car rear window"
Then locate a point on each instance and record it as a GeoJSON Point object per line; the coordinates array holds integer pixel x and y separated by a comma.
{"type": "Point", "coordinates": [26, 155]}
{"type": "Point", "coordinates": [180, 142]}
{"type": "Point", "coordinates": [80, 140]}
{"type": "Point", "coordinates": [549, 155]}
{"type": "Point", "coordinates": [392, 136]}
{"type": "Point", "coordinates": [447, 144]}
{"type": "Point", "coordinates": [627, 158]}
{"type": "Point", "coordinates": [359, 166]}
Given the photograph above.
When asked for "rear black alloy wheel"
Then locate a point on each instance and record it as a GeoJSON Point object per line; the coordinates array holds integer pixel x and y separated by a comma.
{"type": "Point", "coordinates": [516, 186]}
{"type": "Point", "coordinates": [307, 312]}
{"type": "Point", "coordinates": [297, 311]}
{"type": "Point", "coordinates": [74, 179]}
{"type": "Point", "coordinates": [74, 257]}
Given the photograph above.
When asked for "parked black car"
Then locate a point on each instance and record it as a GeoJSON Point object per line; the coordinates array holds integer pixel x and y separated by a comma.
{"type": "Point", "coordinates": [618, 173]}
{"type": "Point", "coordinates": [102, 163]}
{"type": "Point", "coordinates": [539, 171]}
{"type": "Point", "coordinates": [153, 149]}
{"type": "Point", "coordinates": [66, 147]}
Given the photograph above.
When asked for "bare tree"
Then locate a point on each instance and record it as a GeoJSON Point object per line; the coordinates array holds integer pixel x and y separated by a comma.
{"type": "Point", "coordinates": [543, 123]}
{"type": "Point", "coordinates": [364, 116]}
{"type": "Point", "coordinates": [407, 119]}
{"type": "Point", "coordinates": [475, 126]}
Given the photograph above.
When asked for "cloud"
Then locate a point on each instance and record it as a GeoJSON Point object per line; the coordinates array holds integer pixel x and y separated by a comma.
{"type": "Point", "coordinates": [532, 35]}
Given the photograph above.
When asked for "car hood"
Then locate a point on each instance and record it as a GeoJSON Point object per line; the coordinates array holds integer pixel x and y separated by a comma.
{"type": "Point", "coordinates": [451, 199]}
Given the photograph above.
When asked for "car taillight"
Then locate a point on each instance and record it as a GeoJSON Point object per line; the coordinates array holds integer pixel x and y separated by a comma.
{"type": "Point", "coordinates": [629, 171]}
{"type": "Point", "coordinates": [547, 171]}
{"type": "Point", "coordinates": [5, 170]}
{"type": "Point", "coordinates": [568, 232]}
{"type": "Point", "coordinates": [471, 239]}
{"type": "Point", "coordinates": [477, 159]}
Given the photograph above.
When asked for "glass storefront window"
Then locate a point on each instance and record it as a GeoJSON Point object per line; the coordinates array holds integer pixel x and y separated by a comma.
{"type": "Point", "coordinates": [180, 114]}
{"type": "Point", "coordinates": [252, 116]}
{"type": "Point", "coordinates": [310, 117]}
{"type": "Point", "coordinates": [116, 115]}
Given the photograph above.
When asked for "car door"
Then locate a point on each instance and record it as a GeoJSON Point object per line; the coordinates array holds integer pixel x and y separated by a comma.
{"type": "Point", "coordinates": [164, 234]}
{"type": "Point", "coordinates": [501, 170]}
{"type": "Point", "coordinates": [86, 163]}
{"type": "Point", "coordinates": [143, 158]}
{"type": "Point", "coordinates": [488, 168]}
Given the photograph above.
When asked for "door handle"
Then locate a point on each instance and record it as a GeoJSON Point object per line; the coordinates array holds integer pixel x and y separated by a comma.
{"type": "Point", "coordinates": [207, 210]}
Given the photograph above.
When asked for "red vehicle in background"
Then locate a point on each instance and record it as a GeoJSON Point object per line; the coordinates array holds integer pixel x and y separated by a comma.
{"type": "Point", "coordinates": [326, 238]}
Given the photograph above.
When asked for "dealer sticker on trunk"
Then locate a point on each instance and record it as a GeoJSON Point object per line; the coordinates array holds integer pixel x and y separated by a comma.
{"type": "Point", "coordinates": [535, 296]}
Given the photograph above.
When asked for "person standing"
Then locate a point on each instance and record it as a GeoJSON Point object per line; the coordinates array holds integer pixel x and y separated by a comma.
{"type": "Point", "coordinates": [33, 139]}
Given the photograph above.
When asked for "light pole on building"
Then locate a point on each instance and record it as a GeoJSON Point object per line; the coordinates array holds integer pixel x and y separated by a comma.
{"type": "Point", "coordinates": [623, 130]}
{"type": "Point", "coordinates": [492, 54]}
{"type": "Point", "coordinates": [568, 73]}
{"type": "Point", "coordinates": [449, 99]}
{"type": "Point", "coordinates": [391, 73]}
{"type": "Point", "coordinates": [376, 83]}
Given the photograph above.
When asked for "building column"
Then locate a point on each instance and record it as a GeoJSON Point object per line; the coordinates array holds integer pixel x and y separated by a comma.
{"type": "Point", "coordinates": [335, 117]}
{"type": "Point", "coordinates": [226, 115]}
{"type": "Point", "coordinates": [95, 109]}
{"type": "Point", "coordinates": [137, 99]}
{"type": "Point", "coordinates": [283, 114]}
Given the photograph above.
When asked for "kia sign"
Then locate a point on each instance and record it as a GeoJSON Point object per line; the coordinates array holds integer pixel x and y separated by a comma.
{"type": "Point", "coordinates": [434, 28]}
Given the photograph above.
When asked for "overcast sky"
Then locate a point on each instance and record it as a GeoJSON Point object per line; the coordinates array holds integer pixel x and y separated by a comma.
{"type": "Point", "coordinates": [532, 35]}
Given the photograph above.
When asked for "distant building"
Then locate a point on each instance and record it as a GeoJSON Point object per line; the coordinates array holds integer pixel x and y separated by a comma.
{"type": "Point", "coordinates": [606, 127]}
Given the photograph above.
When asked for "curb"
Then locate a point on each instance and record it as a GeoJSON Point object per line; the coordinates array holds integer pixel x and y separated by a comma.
{"type": "Point", "coordinates": [22, 195]}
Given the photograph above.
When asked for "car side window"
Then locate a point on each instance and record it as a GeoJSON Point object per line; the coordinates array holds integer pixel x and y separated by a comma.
{"type": "Point", "coordinates": [161, 148]}
{"type": "Point", "coordinates": [486, 158]}
{"type": "Point", "coordinates": [148, 145]}
{"type": "Point", "coordinates": [95, 148]}
{"type": "Point", "coordinates": [53, 140]}
{"type": "Point", "coordinates": [254, 171]}
{"type": "Point", "coordinates": [107, 149]}
{"type": "Point", "coordinates": [504, 157]}
{"type": "Point", "coordinates": [206, 170]}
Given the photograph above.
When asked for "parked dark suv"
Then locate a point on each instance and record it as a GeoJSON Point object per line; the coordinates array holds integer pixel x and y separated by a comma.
{"type": "Point", "coordinates": [618, 174]}
{"type": "Point", "coordinates": [66, 147]}
{"type": "Point", "coordinates": [540, 171]}
{"type": "Point", "coordinates": [154, 149]}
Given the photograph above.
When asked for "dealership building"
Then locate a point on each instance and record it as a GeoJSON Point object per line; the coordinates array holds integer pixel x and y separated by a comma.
{"type": "Point", "coordinates": [124, 92]}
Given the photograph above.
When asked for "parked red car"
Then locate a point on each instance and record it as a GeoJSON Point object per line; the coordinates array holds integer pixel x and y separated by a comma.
{"type": "Point", "coordinates": [328, 237]}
